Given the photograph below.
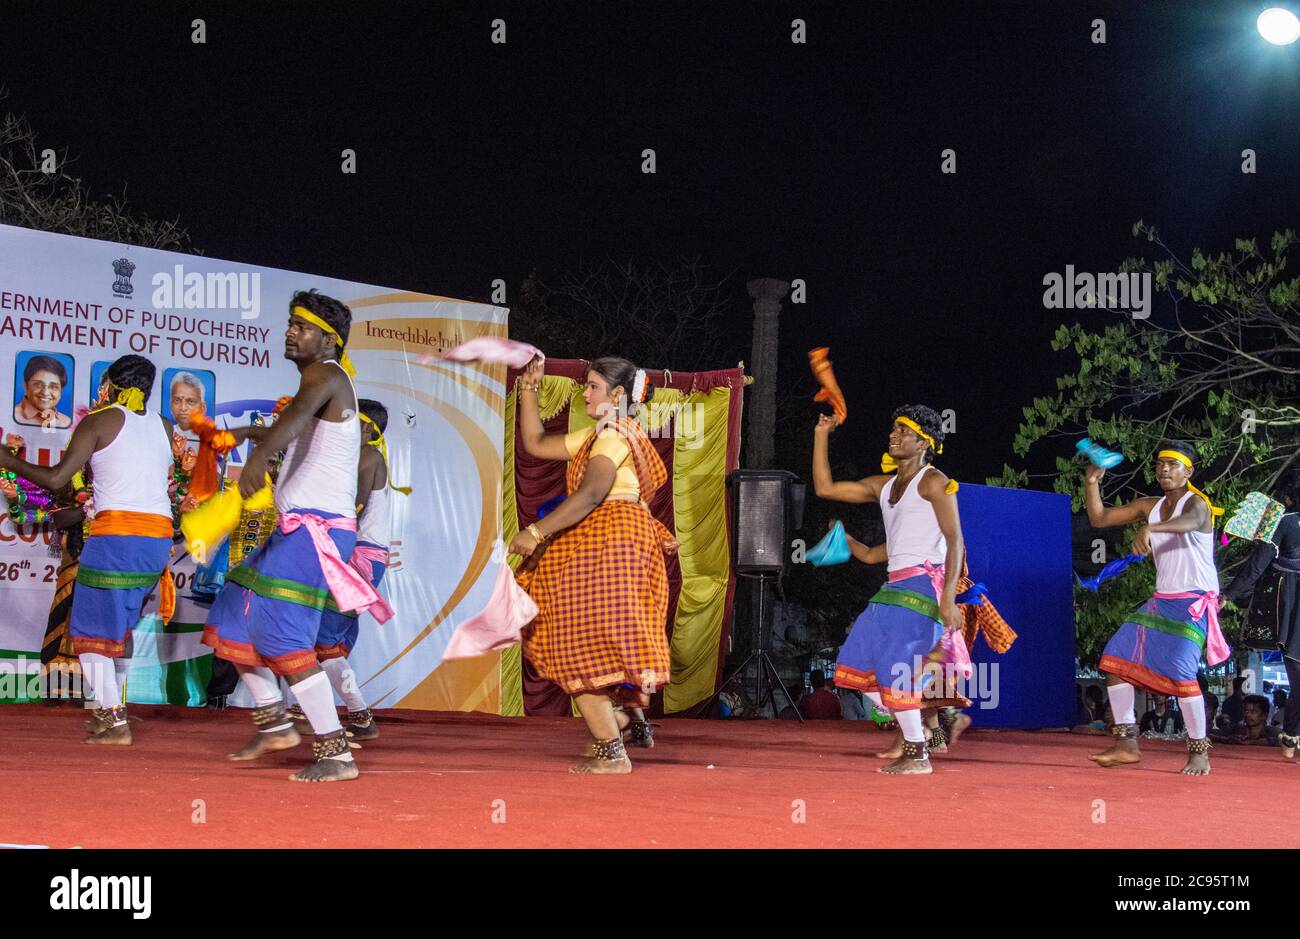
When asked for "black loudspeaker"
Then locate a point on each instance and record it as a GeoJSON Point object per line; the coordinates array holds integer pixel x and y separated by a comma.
{"type": "Point", "coordinates": [768, 507]}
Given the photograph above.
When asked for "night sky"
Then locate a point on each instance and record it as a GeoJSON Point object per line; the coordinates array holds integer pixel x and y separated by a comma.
{"type": "Point", "coordinates": [819, 161]}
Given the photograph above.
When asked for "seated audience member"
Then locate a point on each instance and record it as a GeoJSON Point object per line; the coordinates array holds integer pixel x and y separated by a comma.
{"type": "Point", "coordinates": [1252, 730]}
{"type": "Point", "coordinates": [1162, 719]}
{"type": "Point", "coordinates": [851, 704]}
{"type": "Point", "coordinates": [1279, 707]}
{"type": "Point", "coordinates": [1232, 704]}
{"type": "Point", "coordinates": [1098, 712]}
{"type": "Point", "coordinates": [822, 704]}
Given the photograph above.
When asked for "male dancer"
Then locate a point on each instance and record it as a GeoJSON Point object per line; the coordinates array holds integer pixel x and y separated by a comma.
{"type": "Point", "coordinates": [129, 452]}
{"type": "Point", "coordinates": [1159, 648]}
{"type": "Point", "coordinates": [339, 631]}
{"type": "Point", "coordinates": [269, 611]}
{"type": "Point", "coordinates": [905, 619]}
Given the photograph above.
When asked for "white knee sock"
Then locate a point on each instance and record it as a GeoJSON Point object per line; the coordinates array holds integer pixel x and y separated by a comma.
{"type": "Point", "coordinates": [261, 684]}
{"type": "Point", "coordinates": [120, 667]}
{"type": "Point", "coordinates": [289, 697]}
{"type": "Point", "coordinates": [101, 674]}
{"type": "Point", "coordinates": [1193, 716]}
{"type": "Point", "coordinates": [264, 688]}
{"type": "Point", "coordinates": [874, 698]}
{"type": "Point", "coordinates": [1122, 698]}
{"type": "Point", "coordinates": [316, 699]}
{"type": "Point", "coordinates": [344, 681]}
{"type": "Point", "coordinates": [909, 722]}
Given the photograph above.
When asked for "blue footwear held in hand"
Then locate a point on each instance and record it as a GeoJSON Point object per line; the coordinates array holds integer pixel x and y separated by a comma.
{"type": "Point", "coordinates": [833, 549]}
{"type": "Point", "coordinates": [1099, 455]}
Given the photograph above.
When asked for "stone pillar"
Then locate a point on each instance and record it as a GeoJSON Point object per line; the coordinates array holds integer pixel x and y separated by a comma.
{"type": "Point", "coordinates": [768, 294]}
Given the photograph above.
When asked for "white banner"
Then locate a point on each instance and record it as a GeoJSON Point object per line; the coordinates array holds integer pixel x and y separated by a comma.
{"type": "Point", "coordinates": [70, 306]}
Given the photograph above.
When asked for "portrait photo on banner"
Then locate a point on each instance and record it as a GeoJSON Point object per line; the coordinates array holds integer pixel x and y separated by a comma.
{"type": "Point", "coordinates": [184, 390]}
{"type": "Point", "coordinates": [43, 388]}
{"type": "Point", "coordinates": [97, 370]}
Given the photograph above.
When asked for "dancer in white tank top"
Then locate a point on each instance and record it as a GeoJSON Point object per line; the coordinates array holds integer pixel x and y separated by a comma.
{"type": "Point", "coordinates": [128, 450]}
{"type": "Point", "coordinates": [338, 632]}
{"type": "Point", "coordinates": [269, 612]}
{"type": "Point", "coordinates": [906, 619]}
{"type": "Point", "coordinates": [1160, 647]}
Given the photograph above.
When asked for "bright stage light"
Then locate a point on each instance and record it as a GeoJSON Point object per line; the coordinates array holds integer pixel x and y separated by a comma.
{"type": "Point", "coordinates": [1279, 26]}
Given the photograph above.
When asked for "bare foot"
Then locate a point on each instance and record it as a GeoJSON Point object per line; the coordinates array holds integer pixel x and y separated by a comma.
{"type": "Point", "coordinates": [119, 735]}
{"type": "Point", "coordinates": [363, 731]}
{"type": "Point", "coordinates": [268, 742]}
{"type": "Point", "coordinates": [601, 767]}
{"type": "Point", "coordinates": [328, 770]}
{"type": "Point", "coordinates": [1122, 752]}
{"type": "Point", "coordinates": [895, 751]}
{"type": "Point", "coordinates": [960, 724]}
{"type": "Point", "coordinates": [639, 734]}
{"type": "Point", "coordinates": [908, 766]}
{"type": "Point", "coordinates": [1198, 764]}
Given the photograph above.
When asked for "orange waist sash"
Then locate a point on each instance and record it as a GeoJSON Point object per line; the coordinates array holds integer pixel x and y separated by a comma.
{"type": "Point", "coordinates": [146, 525]}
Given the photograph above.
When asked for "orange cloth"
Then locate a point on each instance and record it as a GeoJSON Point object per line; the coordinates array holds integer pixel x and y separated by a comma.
{"type": "Point", "coordinates": [819, 361]}
{"type": "Point", "coordinates": [205, 479]}
{"type": "Point", "coordinates": [145, 525]}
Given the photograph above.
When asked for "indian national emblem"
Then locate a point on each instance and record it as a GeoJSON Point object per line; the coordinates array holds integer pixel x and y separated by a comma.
{"type": "Point", "coordinates": [123, 268]}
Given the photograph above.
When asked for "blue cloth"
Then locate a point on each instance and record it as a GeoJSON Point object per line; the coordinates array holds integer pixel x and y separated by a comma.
{"type": "Point", "coordinates": [104, 617]}
{"type": "Point", "coordinates": [885, 647]}
{"type": "Point", "coordinates": [280, 633]}
{"type": "Point", "coordinates": [833, 549]}
{"type": "Point", "coordinates": [339, 631]}
{"type": "Point", "coordinates": [1155, 660]}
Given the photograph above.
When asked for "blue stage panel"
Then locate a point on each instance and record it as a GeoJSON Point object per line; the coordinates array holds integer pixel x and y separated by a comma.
{"type": "Point", "coordinates": [1018, 543]}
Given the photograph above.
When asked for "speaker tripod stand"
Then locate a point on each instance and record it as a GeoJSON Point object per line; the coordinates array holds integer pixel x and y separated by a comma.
{"type": "Point", "coordinates": [768, 679]}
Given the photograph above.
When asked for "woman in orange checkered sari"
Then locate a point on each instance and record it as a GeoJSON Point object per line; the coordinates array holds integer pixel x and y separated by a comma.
{"type": "Point", "coordinates": [600, 583]}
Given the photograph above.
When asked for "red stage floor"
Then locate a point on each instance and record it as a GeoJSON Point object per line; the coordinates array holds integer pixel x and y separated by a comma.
{"type": "Point", "coordinates": [434, 781]}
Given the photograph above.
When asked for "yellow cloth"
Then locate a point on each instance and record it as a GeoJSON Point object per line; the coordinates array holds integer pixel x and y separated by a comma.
{"type": "Point", "coordinates": [303, 313]}
{"type": "Point", "coordinates": [614, 448]}
{"type": "Point", "coordinates": [700, 523]}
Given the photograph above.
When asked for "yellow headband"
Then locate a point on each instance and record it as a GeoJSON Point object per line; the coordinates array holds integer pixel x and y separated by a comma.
{"type": "Point", "coordinates": [382, 445]}
{"type": "Point", "coordinates": [1182, 458]}
{"type": "Point", "coordinates": [908, 422]}
{"type": "Point", "coordinates": [303, 313]}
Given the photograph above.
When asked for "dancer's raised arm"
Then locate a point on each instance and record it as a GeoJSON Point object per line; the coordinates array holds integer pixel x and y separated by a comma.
{"type": "Point", "coordinates": [537, 442]}
{"type": "Point", "coordinates": [824, 485]}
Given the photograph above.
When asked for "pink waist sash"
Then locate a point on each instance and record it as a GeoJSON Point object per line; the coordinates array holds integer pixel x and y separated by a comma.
{"type": "Point", "coordinates": [952, 645]}
{"type": "Point", "coordinates": [350, 589]}
{"type": "Point", "coordinates": [1207, 604]}
{"type": "Point", "coordinates": [935, 574]}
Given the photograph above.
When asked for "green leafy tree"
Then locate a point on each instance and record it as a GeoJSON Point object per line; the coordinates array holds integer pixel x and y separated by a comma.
{"type": "Point", "coordinates": [1221, 371]}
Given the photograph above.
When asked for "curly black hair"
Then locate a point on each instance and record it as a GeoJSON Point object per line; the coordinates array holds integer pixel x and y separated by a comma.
{"type": "Point", "coordinates": [375, 411]}
{"type": "Point", "coordinates": [334, 312]}
{"type": "Point", "coordinates": [132, 371]}
{"type": "Point", "coordinates": [929, 420]}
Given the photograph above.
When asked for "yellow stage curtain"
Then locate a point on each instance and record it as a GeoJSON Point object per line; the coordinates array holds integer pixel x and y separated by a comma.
{"type": "Point", "coordinates": [700, 519]}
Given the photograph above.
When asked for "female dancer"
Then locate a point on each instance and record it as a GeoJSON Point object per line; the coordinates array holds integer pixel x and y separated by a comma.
{"type": "Point", "coordinates": [600, 584]}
